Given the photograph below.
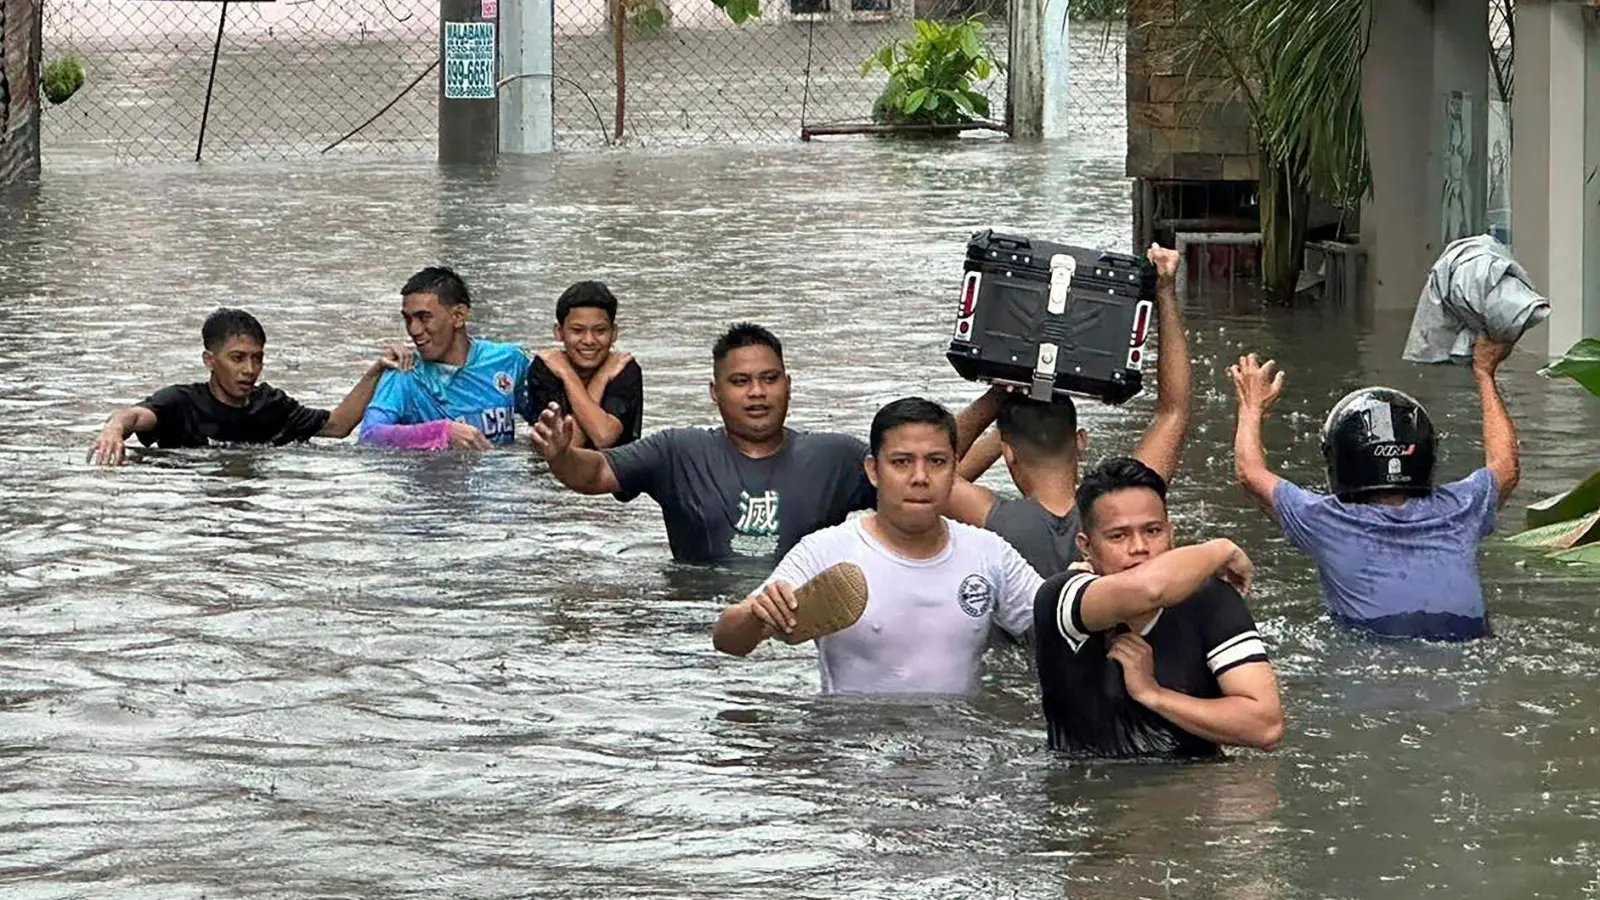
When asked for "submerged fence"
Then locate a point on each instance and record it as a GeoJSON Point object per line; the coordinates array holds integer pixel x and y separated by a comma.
{"type": "Point", "coordinates": [289, 79]}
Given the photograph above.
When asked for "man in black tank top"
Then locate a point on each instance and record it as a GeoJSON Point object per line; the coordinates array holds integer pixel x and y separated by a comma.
{"type": "Point", "coordinates": [1041, 444]}
{"type": "Point", "coordinates": [1150, 651]}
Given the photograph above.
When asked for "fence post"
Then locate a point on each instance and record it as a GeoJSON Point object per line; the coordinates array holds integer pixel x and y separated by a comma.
{"type": "Point", "coordinates": [1036, 85]}
{"type": "Point", "coordinates": [469, 117]}
{"type": "Point", "coordinates": [1057, 69]}
{"type": "Point", "coordinates": [527, 99]}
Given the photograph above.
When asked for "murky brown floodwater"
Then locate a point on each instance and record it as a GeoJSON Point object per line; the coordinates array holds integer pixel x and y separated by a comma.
{"type": "Point", "coordinates": [335, 672]}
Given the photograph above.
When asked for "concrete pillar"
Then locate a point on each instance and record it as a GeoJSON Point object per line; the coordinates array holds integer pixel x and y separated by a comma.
{"type": "Point", "coordinates": [527, 99]}
{"type": "Point", "coordinates": [1424, 98]}
{"type": "Point", "coordinates": [1057, 69]}
{"type": "Point", "coordinates": [1039, 80]}
{"type": "Point", "coordinates": [1396, 104]}
{"type": "Point", "coordinates": [468, 111]}
{"type": "Point", "coordinates": [1547, 162]}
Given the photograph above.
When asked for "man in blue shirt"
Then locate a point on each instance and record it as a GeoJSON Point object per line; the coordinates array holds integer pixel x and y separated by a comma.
{"type": "Point", "coordinates": [1396, 555]}
{"type": "Point", "coordinates": [464, 392]}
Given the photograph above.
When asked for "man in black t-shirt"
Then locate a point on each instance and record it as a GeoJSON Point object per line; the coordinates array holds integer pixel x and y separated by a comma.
{"type": "Point", "coordinates": [1041, 445]}
{"type": "Point", "coordinates": [601, 388]}
{"type": "Point", "coordinates": [1150, 651]}
{"type": "Point", "coordinates": [752, 488]}
{"type": "Point", "coordinates": [231, 408]}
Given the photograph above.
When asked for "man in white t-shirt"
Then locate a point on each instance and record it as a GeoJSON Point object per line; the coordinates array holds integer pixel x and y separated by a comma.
{"type": "Point", "coordinates": [934, 586]}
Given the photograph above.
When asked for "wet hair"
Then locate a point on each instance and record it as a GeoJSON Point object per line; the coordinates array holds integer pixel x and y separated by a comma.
{"type": "Point", "coordinates": [442, 283]}
{"type": "Point", "coordinates": [910, 411]}
{"type": "Point", "coordinates": [744, 334]}
{"type": "Point", "coordinates": [587, 295]}
{"type": "Point", "coordinates": [1039, 429]}
{"type": "Point", "coordinates": [227, 323]}
{"type": "Point", "coordinates": [1119, 473]}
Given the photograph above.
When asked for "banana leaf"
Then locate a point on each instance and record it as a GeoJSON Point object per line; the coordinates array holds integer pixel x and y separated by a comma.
{"type": "Point", "coordinates": [1581, 364]}
{"type": "Point", "coordinates": [1580, 501]}
{"type": "Point", "coordinates": [1588, 553]}
{"type": "Point", "coordinates": [1561, 535]}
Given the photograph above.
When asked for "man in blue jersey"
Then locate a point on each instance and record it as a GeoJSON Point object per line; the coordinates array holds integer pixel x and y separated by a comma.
{"type": "Point", "coordinates": [464, 393]}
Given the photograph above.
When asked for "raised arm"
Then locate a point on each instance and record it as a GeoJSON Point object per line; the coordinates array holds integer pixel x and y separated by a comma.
{"type": "Point", "coordinates": [977, 417]}
{"type": "Point", "coordinates": [580, 469]}
{"type": "Point", "coordinates": [980, 456]}
{"type": "Point", "coordinates": [110, 447]}
{"type": "Point", "coordinates": [1257, 387]}
{"type": "Point", "coordinates": [347, 415]}
{"type": "Point", "coordinates": [1499, 433]}
{"type": "Point", "coordinates": [1088, 604]}
{"type": "Point", "coordinates": [1161, 448]}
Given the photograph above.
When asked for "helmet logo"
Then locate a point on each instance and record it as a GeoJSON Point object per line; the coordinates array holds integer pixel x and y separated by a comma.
{"type": "Point", "coordinates": [1394, 470]}
{"type": "Point", "coordinates": [1390, 451]}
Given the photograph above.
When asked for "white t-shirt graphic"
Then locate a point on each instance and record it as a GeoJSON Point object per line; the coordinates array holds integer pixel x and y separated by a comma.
{"type": "Point", "coordinates": [927, 620]}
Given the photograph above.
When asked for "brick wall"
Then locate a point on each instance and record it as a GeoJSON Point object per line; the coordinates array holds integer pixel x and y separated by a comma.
{"type": "Point", "coordinates": [1182, 124]}
{"type": "Point", "coordinates": [19, 89]}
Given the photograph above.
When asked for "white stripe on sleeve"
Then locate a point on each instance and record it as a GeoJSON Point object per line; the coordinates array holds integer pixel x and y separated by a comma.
{"type": "Point", "coordinates": [1242, 647]}
{"type": "Point", "coordinates": [1067, 617]}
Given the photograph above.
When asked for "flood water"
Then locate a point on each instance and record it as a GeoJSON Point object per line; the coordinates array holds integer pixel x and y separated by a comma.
{"type": "Point", "coordinates": [329, 671]}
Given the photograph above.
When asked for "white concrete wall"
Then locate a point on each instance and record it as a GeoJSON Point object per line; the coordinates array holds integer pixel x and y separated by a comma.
{"type": "Point", "coordinates": [1547, 163]}
{"type": "Point", "coordinates": [1396, 102]}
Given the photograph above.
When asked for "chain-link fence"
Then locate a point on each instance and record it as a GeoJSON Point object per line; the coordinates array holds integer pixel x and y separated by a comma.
{"type": "Point", "coordinates": [287, 79]}
{"type": "Point", "coordinates": [691, 75]}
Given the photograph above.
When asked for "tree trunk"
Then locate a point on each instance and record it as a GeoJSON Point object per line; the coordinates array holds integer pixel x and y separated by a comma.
{"type": "Point", "coordinates": [1285, 209]}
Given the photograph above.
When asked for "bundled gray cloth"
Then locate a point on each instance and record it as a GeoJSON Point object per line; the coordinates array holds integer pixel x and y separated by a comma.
{"type": "Point", "coordinates": [1476, 287]}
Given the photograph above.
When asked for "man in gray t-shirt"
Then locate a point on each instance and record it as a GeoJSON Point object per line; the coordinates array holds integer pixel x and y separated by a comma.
{"type": "Point", "coordinates": [1041, 444]}
{"type": "Point", "coordinates": [752, 488]}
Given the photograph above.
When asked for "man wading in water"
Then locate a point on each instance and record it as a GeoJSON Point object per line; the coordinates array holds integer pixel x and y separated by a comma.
{"type": "Point", "coordinates": [750, 489]}
{"type": "Point", "coordinates": [934, 586]}
{"type": "Point", "coordinates": [1194, 674]}
{"type": "Point", "coordinates": [1042, 444]}
{"type": "Point", "coordinates": [231, 408]}
{"type": "Point", "coordinates": [1396, 555]}
{"type": "Point", "coordinates": [465, 393]}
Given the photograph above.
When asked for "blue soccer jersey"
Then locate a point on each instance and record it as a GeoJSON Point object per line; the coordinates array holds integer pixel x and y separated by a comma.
{"type": "Point", "coordinates": [487, 393]}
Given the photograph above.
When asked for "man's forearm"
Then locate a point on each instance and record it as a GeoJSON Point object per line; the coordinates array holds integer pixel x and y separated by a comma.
{"type": "Point", "coordinates": [1174, 576]}
{"type": "Point", "coordinates": [581, 470]}
{"type": "Point", "coordinates": [1231, 721]}
{"type": "Point", "coordinates": [979, 457]}
{"type": "Point", "coordinates": [126, 421]}
{"type": "Point", "coordinates": [738, 631]}
{"type": "Point", "coordinates": [1161, 448]}
{"type": "Point", "coordinates": [977, 417]}
{"type": "Point", "coordinates": [1250, 458]}
{"type": "Point", "coordinates": [347, 415]}
{"type": "Point", "coordinates": [600, 427]}
{"type": "Point", "coordinates": [1499, 436]}
{"type": "Point", "coordinates": [1166, 580]}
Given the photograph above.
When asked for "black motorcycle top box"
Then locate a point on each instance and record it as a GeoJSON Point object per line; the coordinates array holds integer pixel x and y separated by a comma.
{"type": "Point", "coordinates": [1052, 319]}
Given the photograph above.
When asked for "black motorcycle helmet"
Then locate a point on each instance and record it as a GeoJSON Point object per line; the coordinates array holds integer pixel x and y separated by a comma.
{"type": "Point", "coordinates": [1377, 440]}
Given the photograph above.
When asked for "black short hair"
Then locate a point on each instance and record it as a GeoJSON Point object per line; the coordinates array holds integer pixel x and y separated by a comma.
{"type": "Point", "coordinates": [442, 283]}
{"type": "Point", "coordinates": [1038, 429]}
{"type": "Point", "coordinates": [910, 411]}
{"type": "Point", "coordinates": [587, 295]}
{"type": "Point", "coordinates": [745, 334]}
{"type": "Point", "coordinates": [226, 323]}
{"type": "Point", "coordinates": [1116, 474]}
